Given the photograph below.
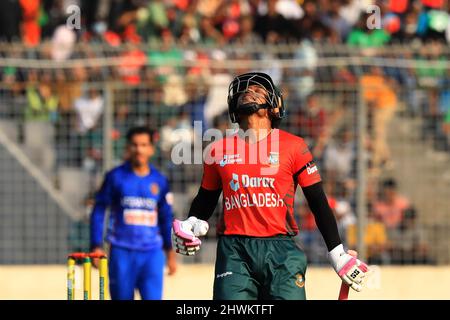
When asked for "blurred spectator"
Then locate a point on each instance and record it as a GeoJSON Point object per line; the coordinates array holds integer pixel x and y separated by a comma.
{"type": "Point", "coordinates": [289, 9]}
{"type": "Point", "coordinates": [408, 243]}
{"type": "Point", "coordinates": [209, 34]}
{"type": "Point", "coordinates": [188, 27]}
{"type": "Point", "coordinates": [271, 24]}
{"type": "Point", "coordinates": [88, 133]}
{"type": "Point", "coordinates": [174, 94]}
{"type": "Point", "coordinates": [90, 10]}
{"type": "Point", "coordinates": [168, 59]}
{"type": "Point", "coordinates": [432, 24]}
{"type": "Point", "coordinates": [362, 36]}
{"type": "Point", "coordinates": [351, 10]}
{"type": "Point", "coordinates": [338, 198]}
{"type": "Point", "coordinates": [132, 61]}
{"type": "Point", "coordinates": [345, 216]}
{"type": "Point", "coordinates": [375, 240]}
{"type": "Point", "coordinates": [10, 16]}
{"type": "Point", "coordinates": [227, 18]}
{"type": "Point", "coordinates": [199, 63]}
{"type": "Point", "coordinates": [196, 100]}
{"type": "Point", "coordinates": [63, 42]}
{"type": "Point", "coordinates": [158, 111]}
{"type": "Point", "coordinates": [442, 112]}
{"type": "Point", "coordinates": [122, 14]}
{"type": "Point", "coordinates": [222, 123]}
{"type": "Point", "coordinates": [89, 108]}
{"type": "Point", "coordinates": [339, 156]}
{"type": "Point", "coordinates": [390, 206]}
{"type": "Point", "coordinates": [13, 80]}
{"type": "Point", "coordinates": [177, 131]}
{"type": "Point", "coordinates": [447, 32]}
{"type": "Point", "coordinates": [311, 121]}
{"type": "Point", "coordinates": [208, 8]}
{"type": "Point", "coordinates": [53, 14]}
{"type": "Point", "coordinates": [42, 101]}
{"type": "Point", "coordinates": [216, 99]}
{"type": "Point", "coordinates": [428, 76]}
{"type": "Point", "coordinates": [153, 19]}
{"type": "Point", "coordinates": [429, 79]}
{"type": "Point", "coordinates": [246, 33]}
{"type": "Point", "coordinates": [304, 82]}
{"type": "Point", "coordinates": [378, 92]}
{"type": "Point", "coordinates": [122, 122]}
{"type": "Point", "coordinates": [68, 86]}
{"type": "Point", "coordinates": [274, 67]}
{"type": "Point", "coordinates": [446, 124]}
{"type": "Point", "coordinates": [303, 26]}
{"type": "Point", "coordinates": [435, 4]}
{"type": "Point", "coordinates": [309, 236]}
{"type": "Point", "coordinates": [410, 26]}
{"type": "Point", "coordinates": [31, 31]}
{"type": "Point", "coordinates": [334, 21]}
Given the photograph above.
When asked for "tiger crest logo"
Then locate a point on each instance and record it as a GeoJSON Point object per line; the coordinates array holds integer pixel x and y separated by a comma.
{"type": "Point", "coordinates": [299, 282]}
{"type": "Point", "coordinates": [274, 159]}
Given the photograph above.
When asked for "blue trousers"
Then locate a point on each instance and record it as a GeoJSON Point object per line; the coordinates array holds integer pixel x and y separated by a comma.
{"type": "Point", "coordinates": [133, 269]}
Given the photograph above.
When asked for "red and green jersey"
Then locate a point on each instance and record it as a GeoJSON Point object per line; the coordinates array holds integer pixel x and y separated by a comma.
{"type": "Point", "coordinates": [259, 181]}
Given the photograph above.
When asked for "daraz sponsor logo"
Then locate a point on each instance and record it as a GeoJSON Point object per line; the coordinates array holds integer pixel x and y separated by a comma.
{"type": "Point", "coordinates": [251, 182]}
{"type": "Point", "coordinates": [311, 170]}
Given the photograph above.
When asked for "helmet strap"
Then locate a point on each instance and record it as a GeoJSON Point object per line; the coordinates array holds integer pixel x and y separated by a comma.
{"type": "Point", "coordinates": [250, 108]}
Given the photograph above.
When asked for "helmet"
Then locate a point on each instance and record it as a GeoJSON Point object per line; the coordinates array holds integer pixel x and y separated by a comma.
{"type": "Point", "coordinates": [240, 85]}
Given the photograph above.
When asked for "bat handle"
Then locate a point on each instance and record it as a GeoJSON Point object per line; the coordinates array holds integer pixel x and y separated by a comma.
{"type": "Point", "coordinates": [343, 292]}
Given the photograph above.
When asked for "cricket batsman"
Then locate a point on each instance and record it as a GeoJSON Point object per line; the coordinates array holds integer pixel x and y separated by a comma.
{"type": "Point", "coordinates": [139, 200]}
{"type": "Point", "coordinates": [257, 257]}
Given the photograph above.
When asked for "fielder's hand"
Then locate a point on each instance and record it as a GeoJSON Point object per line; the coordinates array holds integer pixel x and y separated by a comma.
{"type": "Point", "coordinates": [185, 235]}
{"type": "Point", "coordinates": [96, 261]}
{"type": "Point", "coordinates": [351, 270]}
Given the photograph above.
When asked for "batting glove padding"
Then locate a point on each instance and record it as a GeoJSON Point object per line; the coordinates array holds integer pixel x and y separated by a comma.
{"type": "Point", "coordinates": [185, 235]}
{"type": "Point", "coordinates": [351, 270]}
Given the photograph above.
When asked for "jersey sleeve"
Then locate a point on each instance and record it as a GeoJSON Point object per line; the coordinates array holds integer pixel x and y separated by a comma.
{"type": "Point", "coordinates": [305, 170]}
{"type": "Point", "coordinates": [211, 178]}
{"type": "Point", "coordinates": [165, 215]}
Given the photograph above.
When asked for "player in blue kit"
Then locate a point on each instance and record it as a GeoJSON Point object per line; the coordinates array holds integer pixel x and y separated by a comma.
{"type": "Point", "coordinates": [139, 231]}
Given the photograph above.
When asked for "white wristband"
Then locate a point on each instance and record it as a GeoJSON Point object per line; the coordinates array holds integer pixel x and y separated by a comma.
{"type": "Point", "coordinates": [334, 255]}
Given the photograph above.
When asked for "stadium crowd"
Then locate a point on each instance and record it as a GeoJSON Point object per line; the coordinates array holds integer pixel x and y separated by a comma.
{"type": "Point", "coordinates": [182, 77]}
{"type": "Point", "coordinates": [221, 22]}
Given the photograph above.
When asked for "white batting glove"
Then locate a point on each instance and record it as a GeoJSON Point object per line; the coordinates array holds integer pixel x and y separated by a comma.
{"type": "Point", "coordinates": [185, 235]}
{"type": "Point", "coordinates": [351, 270]}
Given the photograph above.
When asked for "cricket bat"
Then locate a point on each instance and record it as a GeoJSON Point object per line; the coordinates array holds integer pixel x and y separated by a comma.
{"type": "Point", "coordinates": [343, 292]}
